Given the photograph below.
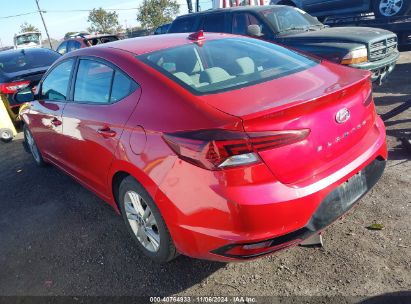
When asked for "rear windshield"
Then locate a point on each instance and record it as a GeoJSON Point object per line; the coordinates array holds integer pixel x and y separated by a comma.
{"type": "Point", "coordinates": [226, 64]}
{"type": "Point", "coordinates": [182, 25]}
{"type": "Point", "coordinates": [17, 61]}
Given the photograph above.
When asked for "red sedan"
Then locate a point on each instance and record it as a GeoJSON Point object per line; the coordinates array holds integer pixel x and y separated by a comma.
{"type": "Point", "coordinates": [213, 146]}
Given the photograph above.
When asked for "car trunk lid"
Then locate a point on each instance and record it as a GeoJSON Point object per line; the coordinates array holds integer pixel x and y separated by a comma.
{"type": "Point", "coordinates": [310, 99]}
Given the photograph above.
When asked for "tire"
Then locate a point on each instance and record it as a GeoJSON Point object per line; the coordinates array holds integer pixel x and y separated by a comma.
{"type": "Point", "coordinates": [30, 144]}
{"type": "Point", "coordinates": [146, 226]}
{"type": "Point", "coordinates": [391, 8]}
{"type": "Point", "coordinates": [6, 135]}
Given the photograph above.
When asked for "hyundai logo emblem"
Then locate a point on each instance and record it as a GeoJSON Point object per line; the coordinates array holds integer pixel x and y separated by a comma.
{"type": "Point", "coordinates": [342, 116]}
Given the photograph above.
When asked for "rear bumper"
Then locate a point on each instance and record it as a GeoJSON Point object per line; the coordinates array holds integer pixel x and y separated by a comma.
{"type": "Point", "coordinates": [334, 206]}
{"type": "Point", "coordinates": [380, 69]}
{"type": "Point", "coordinates": [208, 212]}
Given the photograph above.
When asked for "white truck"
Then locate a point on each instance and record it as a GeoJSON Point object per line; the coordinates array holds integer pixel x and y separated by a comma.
{"type": "Point", "coordinates": [27, 40]}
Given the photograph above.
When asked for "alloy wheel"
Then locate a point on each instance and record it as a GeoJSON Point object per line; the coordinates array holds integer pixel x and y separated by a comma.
{"type": "Point", "coordinates": [32, 146]}
{"type": "Point", "coordinates": [390, 8]}
{"type": "Point", "coordinates": [142, 221]}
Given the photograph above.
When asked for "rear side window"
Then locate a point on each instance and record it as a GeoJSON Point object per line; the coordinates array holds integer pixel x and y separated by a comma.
{"type": "Point", "coordinates": [73, 45]}
{"type": "Point", "coordinates": [226, 64]}
{"type": "Point", "coordinates": [99, 83]}
{"type": "Point", "coordinates": [183, 25]}
{"type": "Point", "coordinates": [214, 23]}
{"type": "Point", "coordinates": [122, 86]}
{"type": "Point", "coordinates": [93, 82]}
{"type": "Point", "coordinates": [55, 85]}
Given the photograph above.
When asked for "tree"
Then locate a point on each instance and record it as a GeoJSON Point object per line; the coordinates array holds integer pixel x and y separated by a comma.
{"type": "Point", "coordinates": [103, 22]}
{"type": "Point", "coordinates": [25, 27]}
{"type": "Point", "coordinates": [68, 34]}
{"type": "Point", "coordinates": [153, 13]}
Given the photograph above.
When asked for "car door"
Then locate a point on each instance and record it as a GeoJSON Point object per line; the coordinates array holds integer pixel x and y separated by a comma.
{"type": "Point", "coordinates": [45, 114]}
{"type": "Point", "coordinates": [93, 121]}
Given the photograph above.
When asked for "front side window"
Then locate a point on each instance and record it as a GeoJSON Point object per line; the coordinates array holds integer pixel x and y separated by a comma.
{"type": "Point", "coordinates": [242, 21]}
{"type": "Point", "coordinates": [62, 49]}
{"type": "Point", "coordinates": [55, 85]}
{"type": "Point", "coordinates": [226, 64]}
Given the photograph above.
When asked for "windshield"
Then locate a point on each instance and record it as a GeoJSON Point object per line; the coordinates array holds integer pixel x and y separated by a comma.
{"type": "Point", "coordinates": [16, 61]}
{"type": "Point", "coordinates": [289, 18]}
{"type": "Point", "coordinates": [27, 38]}
{"type": "Point", "coordinates": [226, 64]}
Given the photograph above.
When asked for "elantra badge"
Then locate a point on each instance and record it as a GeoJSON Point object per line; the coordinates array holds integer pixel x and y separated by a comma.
{"type": "Point", "coordinates": [342, 116]}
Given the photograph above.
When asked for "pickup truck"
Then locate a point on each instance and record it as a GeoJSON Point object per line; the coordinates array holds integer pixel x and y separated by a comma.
{"type": "Point", "coordinates": [358, 47]}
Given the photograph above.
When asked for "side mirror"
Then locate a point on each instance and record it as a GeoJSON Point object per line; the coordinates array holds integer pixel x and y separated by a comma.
{"type": "Point", "coordinates": [254, 30]}
{"type": "Point", "coordinates": [24, 95]}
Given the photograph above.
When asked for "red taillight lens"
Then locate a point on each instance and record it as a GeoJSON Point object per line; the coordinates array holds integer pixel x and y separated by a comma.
{"type": "Point", "coordinates": [367, 93]}
{"type": "Point", "coordinates": [218, 149]}
{"type": "Point", "coordinates": [13, 87]}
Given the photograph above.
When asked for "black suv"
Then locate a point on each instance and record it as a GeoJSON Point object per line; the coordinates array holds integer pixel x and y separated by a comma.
{"type": "Point", "coordinates": [359, 47]}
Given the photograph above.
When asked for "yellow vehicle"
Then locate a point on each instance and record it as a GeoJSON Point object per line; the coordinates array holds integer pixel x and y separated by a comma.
{"type": "Point", "coordinates": [7, 129]}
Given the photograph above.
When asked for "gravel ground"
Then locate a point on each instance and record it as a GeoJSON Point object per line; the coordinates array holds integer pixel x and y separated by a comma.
{"type": "Point", "coordinates": [57, 238]}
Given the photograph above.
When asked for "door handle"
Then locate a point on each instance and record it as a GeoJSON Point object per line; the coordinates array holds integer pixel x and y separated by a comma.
{"type": "Point", "coordinates": [56, 122]}
{"type": "Point", "coordinates": [106, 132]}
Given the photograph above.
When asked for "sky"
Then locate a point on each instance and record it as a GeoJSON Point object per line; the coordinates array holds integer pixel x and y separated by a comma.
{"type": "Point", "coordinates": [59, 23]}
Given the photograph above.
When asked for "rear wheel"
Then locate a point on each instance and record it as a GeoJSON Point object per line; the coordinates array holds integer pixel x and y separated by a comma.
{"type": "Point", "coordinates": [144, 222]}
{"type": "Point", "coordinates": [6, 135]}
{"type": "Point", "coordinates": [391, 8]}
{"type": "Point", "coordinates": [32, 147]}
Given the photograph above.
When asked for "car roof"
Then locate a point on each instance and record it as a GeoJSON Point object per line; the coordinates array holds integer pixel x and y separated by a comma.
{"type": "Point", "coordinates": [246, 8]}
{"type": "Point", "coordinates": [146, 44]}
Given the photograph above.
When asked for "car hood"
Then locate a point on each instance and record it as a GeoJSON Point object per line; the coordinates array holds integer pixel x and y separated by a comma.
{"type": "Point", "coordinates": [362, 35]}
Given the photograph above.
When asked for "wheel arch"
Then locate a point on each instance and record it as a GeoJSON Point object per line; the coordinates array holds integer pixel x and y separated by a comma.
{"type": "Point", "coordinates": [119, 171]}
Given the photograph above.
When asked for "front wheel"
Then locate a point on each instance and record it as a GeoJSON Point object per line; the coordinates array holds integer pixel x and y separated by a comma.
{"type": "Point", "coordinates": [144, 222]}
{"type": "Point", "coordinates": [391, 8]}
{"type": "Point", "coordinates": [32, 147]}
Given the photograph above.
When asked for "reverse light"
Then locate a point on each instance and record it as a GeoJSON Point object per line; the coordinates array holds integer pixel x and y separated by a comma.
{"type": "Point", "coordinates": [355, 57]}
{"type": "Point", "coordinates": [219, 149]}
{"type": "Point", "coordinates": [13, 87]}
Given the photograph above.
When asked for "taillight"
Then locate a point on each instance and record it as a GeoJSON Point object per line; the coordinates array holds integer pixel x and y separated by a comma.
{"type": "Point", "coordinates": [13, 87]}
{"type": "Point", "coordinates": [218, 149]}
{"type": "Point", "coordinates": [367, 93]}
